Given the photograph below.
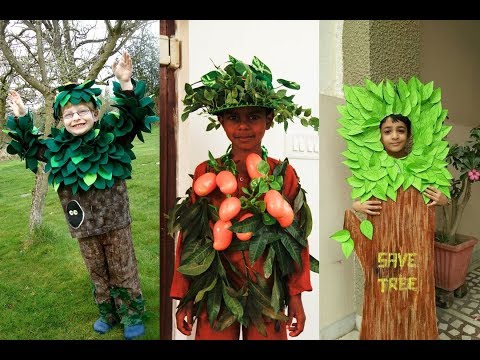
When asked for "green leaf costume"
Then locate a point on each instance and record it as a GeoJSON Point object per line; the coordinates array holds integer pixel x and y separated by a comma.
{"type": "Point", "coordinates": [88, 172]}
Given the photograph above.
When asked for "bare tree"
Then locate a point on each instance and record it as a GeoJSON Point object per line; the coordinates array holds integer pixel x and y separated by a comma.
{"type": "Point", "coordinates": [48, 53]}
{"type": "Point", "coordinates": [144, 49]}
{"type": "Point", "coordinates": [6, 76]}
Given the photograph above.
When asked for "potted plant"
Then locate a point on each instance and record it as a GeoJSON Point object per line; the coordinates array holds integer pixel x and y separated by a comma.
{"type": "Point", "coordinates": [453, 251]}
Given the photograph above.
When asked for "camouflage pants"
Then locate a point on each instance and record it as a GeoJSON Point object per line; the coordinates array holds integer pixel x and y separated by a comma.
{"type": "Point", "coordinates": [111, 262]}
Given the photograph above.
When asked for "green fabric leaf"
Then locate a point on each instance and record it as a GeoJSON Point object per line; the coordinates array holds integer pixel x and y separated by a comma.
{"type": "Point", "coordinates": [366, 227]}
{"type": "Point", "coordinates": [358, 192]}
{"type": "Point", "coordinates": [341, 236]}
{"type": "Point", "coordinates": [347, 247]}
{"type": "Point", "coordinates": [355, 182]}
{"type": "Point", "coordinates": [391, 193]}
{"type": "Point", "coordinates": [89, 178]}
{"type": "Point", "coordinates": [104, 174]}
{"type": "Point", "coordinates": [374, 172]}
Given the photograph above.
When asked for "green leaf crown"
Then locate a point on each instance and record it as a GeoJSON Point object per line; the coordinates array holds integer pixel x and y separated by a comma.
{"type": "Point", "coordinates": [75, 94]}
{"type": "Point", "coordinates": [239, 85]}
{"type": "Point", "coordinates": [374, 172]}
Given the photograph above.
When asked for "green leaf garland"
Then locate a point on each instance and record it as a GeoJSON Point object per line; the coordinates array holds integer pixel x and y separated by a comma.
{"type": "Point", "coordinates": [239, 85]}
{"type": "Point", "coordinates": [374, 173]}
{"type": "Point", "coordinates": [25, 140]}
{"type": "Point", "coordinates": [209, 285]}
{"type": "Point", "coordinates": [135, 115]}
{"type": "Point", "coordinates": [75, 94]}
{"type": "Point", "coordinates": [93, 159]}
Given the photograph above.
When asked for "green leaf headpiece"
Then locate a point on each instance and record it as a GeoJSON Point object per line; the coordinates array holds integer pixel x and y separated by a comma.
{"type": "Point", "coordinates": [238, 85]}
{"type": "Point", "coordinates": [75, 94]}
{"type": "Point", "coordinates": [374, 173]}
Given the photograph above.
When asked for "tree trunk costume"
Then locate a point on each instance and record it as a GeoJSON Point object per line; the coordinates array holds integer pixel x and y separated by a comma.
{"type": "Point", "coordinates": [89, 172]}
{"type": "Point", "coordinates": [395, 248]}
{"type": "Point", "coordinates": [249, 282]}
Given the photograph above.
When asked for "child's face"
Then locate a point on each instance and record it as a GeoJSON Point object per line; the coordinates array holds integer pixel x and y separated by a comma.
{"type": "Point", "coordinates": [79, 119]}
{"type": "Point", "coordinates": [246, 126]}
{"type": "Point", "coordinates": [394, 137]}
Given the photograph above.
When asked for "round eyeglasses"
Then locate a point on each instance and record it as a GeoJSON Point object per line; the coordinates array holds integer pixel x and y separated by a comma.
{"type": "Point", "coordinates": [80, 113]}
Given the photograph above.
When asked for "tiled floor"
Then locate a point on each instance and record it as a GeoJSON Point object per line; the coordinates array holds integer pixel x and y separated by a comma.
{"type": "Point", "coordinates": [462, 320]}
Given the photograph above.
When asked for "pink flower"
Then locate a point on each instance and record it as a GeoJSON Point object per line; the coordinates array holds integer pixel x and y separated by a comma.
{"type": "Point", "coordinates": [474, 175]}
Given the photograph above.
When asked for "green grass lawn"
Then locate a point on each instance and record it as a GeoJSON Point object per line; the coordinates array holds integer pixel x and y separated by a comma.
{"type": "Point", "coordinates": [45, 289]}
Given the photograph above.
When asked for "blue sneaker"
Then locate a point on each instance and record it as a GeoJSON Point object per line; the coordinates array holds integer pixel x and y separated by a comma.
{"type": "Point", "coordinates": [101, 326]}
{"type": "Point", "coordinates": [133, 331]}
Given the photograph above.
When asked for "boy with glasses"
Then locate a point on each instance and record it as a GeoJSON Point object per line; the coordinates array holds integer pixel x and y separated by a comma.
{"type": "Point", "coordinates": [89, 160]}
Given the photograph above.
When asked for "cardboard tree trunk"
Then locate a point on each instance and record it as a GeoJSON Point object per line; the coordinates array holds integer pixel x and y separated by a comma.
{"type": "Point", "coordinates": [399, 294]}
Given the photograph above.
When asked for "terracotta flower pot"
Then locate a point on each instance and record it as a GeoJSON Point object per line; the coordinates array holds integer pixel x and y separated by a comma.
{"type": "Point", "coordinates": [452, 261]}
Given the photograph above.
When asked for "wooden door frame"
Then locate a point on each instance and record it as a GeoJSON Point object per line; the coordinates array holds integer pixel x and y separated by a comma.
{"type": "Point", "coordinates": [168, 187]}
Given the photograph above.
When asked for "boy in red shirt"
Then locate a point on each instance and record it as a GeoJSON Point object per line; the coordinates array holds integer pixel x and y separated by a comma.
{"type": "Point", "coordinates": [241, 285]}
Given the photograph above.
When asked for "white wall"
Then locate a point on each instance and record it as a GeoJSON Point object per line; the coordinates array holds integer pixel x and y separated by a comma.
{"type": "Point", "coordinates": [291, 50]}
{"type": "Point", "coordinates": [337, 310]}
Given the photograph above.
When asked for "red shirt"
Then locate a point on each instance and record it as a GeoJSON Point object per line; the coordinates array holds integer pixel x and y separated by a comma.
{"type": "Point", "coordinates": [297, 282]}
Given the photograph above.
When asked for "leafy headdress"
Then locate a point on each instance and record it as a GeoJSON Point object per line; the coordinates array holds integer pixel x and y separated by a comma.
{"type": "Point", "coordinates": [374, 173]}
{"type": "Point", "coordinates": [75, 94]}
{"type": "Point", "coordinates": [238, 85]}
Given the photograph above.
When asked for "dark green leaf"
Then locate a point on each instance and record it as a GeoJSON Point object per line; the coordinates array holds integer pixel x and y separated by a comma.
{"type": "Point", "coordinates": [268, 219]}
{"type": "Point", "coordinates": [257, 247]}
{"type": "Point", "coordinates": [248, 225]}
{"type": "Point", "coordinates": [314, 264]}
{"type": "Point", "coordinates": [298, 202]}
{"type": "Point", "coordinates": [196, 269]}
{"type": "Point", "coordinates": [292, 247]}
{"type": "Point", "coordinates": [206, 289]}
{"type": "Point", "coordinates": [263, 167]}
{"type": "Point", "coordinates": [289, 84]}
{"type": "Point", "coordinates": [276, 293]}
{"type": "Point", "coordinates": [214, 301]}
{"type": "Point", "coordinates": [296, 232]}
{"type": "Point", "coordinates": [268, 265]}
{"type": "Point", "coordinates": [281, 254]}
{"type": "Point", "coordinates": [232, 304]}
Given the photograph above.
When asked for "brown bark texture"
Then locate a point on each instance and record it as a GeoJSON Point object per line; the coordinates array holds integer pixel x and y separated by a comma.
{"type": "Point", "coordinates": [39, 193]}
{"type": "Point", "coordinates": [398, 265]}
{"type": "Point", "coordinates": [168, 169]}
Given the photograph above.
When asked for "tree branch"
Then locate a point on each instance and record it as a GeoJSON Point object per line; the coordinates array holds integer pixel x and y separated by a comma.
{"type": "Point", "coordinates": [12, 60]}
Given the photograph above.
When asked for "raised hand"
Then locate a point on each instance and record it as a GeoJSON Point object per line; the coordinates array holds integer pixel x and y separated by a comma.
{"type": "Point", "coordinates": [15, 104]}
{"type": "Point", "coordinates": [123, 69]}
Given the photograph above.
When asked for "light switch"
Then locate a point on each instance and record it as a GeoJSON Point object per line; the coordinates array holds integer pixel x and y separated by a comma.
{"type": "Point", "coordinates": [302, 145]}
